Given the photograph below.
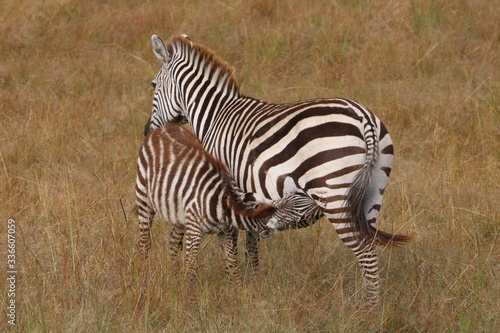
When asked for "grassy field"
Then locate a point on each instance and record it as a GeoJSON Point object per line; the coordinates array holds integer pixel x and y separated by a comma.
{"type": "Point", "coordinates": [75, 96]}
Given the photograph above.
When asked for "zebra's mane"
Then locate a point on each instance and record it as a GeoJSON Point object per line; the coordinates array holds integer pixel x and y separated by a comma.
{"type": "Point", "coordinates": [216, 64]}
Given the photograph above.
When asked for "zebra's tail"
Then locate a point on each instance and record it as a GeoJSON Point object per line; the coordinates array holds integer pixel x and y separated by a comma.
{"type": "Point", "coordinates": [355, 198]}
{"type": "Point", "coordinates": [355, 201]}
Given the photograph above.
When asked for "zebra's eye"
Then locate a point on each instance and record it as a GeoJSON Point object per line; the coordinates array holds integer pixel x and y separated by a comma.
{"type": "Point", "coordinates": [153, 84]}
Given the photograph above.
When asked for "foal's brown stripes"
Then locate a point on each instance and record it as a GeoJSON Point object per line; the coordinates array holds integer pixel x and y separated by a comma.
{"type": "Point", "coordinates": [187, 187]}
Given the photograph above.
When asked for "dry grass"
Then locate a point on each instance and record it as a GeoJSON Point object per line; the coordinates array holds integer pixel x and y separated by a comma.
{"type": "Point", "coordinates": [75, 95]}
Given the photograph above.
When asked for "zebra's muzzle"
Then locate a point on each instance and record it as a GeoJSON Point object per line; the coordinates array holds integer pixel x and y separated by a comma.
{"type": "Point", "coordinates": [147, 128]}
{"type": "Point", "coordinates": [270, 228]}
{"type": "Point", "coordinates": [267, 232]}
{"type": "Point", "coordinates": [150, 125]}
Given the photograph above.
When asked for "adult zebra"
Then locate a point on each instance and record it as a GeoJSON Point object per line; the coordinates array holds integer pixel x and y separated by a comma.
{"type": "Point", "coordinates": [333, 150]}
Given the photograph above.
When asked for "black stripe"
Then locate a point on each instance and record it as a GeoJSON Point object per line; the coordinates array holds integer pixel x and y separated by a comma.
{"type": "Point", "coordinates": [321, 181]}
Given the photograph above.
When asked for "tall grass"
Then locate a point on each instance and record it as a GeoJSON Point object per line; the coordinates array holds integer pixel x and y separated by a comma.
{"type": "Point", "coordinates": [75, 95]}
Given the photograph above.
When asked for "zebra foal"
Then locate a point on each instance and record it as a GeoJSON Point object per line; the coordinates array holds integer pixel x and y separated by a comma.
{"type": "Point", "coordinates": [187, 187]}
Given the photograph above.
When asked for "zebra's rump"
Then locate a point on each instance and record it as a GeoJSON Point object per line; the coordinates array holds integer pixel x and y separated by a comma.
{"type": "Point", "coordinates": [316, 143]}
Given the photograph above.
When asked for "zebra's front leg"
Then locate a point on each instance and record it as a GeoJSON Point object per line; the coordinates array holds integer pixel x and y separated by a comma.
{"type": "Point", "coordinates": [252, 249]}
{"type": "Point", "coordinates": [175, 242]}
{"type": "Point", "coordinates": [193, 239]}
{"type": "Point", "coordinates": [228, 239]}
{"type": "Point", "coordinates": [145, 223]}
{"type": "Point", "coordinates": [175, 245]}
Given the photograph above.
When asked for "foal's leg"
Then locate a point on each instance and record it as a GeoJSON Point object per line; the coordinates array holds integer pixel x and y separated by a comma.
{"type": "Point", "coordinates": [193, 239]}
{"type": "Point", "coordinates": [176, 236]}
{"type": "Point", "coordinates": [252, 249]}
{"type": "Point", "coordinates": [145, 223]}
{"type": "Point", "coordinates": [227, 240]}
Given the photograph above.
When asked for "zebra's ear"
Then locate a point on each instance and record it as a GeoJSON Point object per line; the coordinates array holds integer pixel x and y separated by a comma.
{"type": "Point", "coordinates": [187, 37]}
{"type": "Point", "coordinates": [159, 49]}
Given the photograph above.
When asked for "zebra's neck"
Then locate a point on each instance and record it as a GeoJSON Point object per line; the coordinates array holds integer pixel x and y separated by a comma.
{"type": "Point", "coordinates": [207, 85]}
{"type": "Point", "coordinates": [212, 100]}
{"type": "Point", "coordinates": [206, 108]}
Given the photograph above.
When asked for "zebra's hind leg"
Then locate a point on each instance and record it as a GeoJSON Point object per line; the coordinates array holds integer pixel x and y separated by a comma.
{"type": "Point", "coordinates": [228, 239]}
{"type": "Point", "coordinates": [368, 260]}
{"type": "Point", "coordinates": [366, 255]}
{"type": "Point", "coordinates": [252, 249]}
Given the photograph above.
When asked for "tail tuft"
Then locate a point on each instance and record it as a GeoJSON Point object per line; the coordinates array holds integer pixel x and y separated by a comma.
{"type": "Point", "coordinates": [383, 238]}
{"type": "Point", "coordinates": [355, 198]}
{"type": "Point", "coordinates": [367, 232]}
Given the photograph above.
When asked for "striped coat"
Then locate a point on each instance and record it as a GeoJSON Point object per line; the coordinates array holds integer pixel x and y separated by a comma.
{"type": "Point", "coordinates": [334, 151]}
{"type": "Point", "coordinates": [187, 187]}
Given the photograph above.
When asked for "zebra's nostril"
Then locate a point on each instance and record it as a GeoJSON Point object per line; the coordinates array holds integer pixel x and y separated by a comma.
{"type": "Point", "coordinates": [266, 233]}
{"type": "Point", "coordinates": [147, 128]}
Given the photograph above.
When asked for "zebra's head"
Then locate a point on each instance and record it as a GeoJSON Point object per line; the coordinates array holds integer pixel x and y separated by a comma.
{"type": "Point", "coordinates": [167, 102]}
{"type": "Point", "coordinates": [295, 210]}
{"type": "Point", "coordinates": [285, 216]}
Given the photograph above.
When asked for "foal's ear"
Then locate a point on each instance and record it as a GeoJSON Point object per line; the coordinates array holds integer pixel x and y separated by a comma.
{"type": "Point", "coordinates": [159, 49]}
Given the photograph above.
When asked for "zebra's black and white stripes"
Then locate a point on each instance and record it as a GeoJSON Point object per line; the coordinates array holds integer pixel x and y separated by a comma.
{"type": "Point", "coordinates": [186, 186]}
{"type": "Point", "coordinates": [334, 151]}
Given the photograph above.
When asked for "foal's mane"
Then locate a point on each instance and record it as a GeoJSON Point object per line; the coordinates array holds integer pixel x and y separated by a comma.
{"type": "Point", "coordinates": [226, 71]}
{"type": "Point", "coordinates": [239, 202]}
